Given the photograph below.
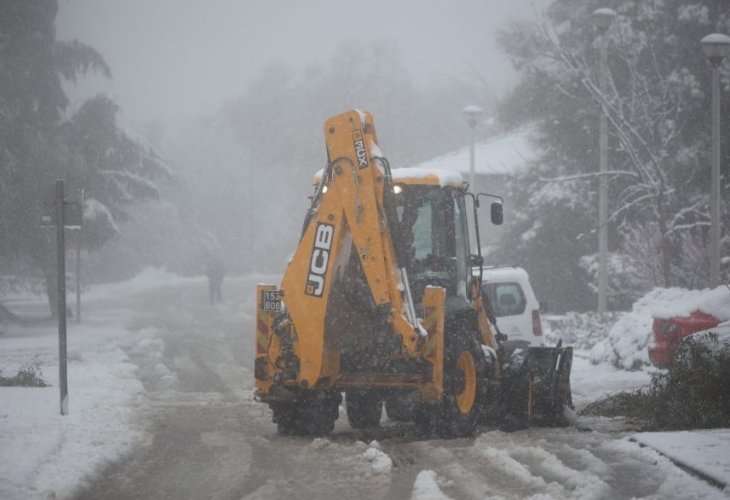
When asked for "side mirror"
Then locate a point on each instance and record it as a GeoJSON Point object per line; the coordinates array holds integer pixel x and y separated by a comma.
{"type": "Point", "coordinates": [475, 260]}
{"type": "Point", "coordinates": [497, 213]}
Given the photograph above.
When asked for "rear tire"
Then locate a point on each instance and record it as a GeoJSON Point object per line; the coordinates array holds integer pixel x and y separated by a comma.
{"type": "Point", "coordinates": [364, 408]}
{"type": "Point", "coordinates": [398, 408]}
{"type": "Point", "coordinates": [309, 417]}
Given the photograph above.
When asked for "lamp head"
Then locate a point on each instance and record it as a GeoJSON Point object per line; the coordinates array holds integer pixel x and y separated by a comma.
{"type": "Point", "coordinates": [716, 47]}
{"type": "Point", "coordinates": [603, 18]}
{"type": "Point", "coordinates": [472, 114]}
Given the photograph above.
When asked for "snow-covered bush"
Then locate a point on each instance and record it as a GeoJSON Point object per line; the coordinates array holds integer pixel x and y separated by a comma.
{"type": "Point", "coordinates": [580, 330]}
{"type": "Point", "coordinates": [692, 394]}
{"type": "Point", "coordinates": [29, 375]}
{"type": "Point", "coordinates": [627, 341]}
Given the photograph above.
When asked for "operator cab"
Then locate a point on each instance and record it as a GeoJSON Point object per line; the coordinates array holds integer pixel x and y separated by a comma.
{"type": "Point", "coordinates": [433, 226]}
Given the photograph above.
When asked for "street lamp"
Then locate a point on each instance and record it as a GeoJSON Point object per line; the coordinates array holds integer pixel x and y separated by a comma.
{"type": "Point", "coordinates": [603, 19]}
{"type": "Point", "coordinates": [472, 114]}
{"type": "Point", "coordinates": [716, 46]}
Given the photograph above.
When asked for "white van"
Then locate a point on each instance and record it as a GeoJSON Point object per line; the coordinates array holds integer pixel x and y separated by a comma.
{"type": "Point", "coordinates": [514, 303]}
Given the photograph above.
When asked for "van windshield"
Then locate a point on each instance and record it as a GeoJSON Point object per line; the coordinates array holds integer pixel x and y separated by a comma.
{"type": "Point", "coordinates": [508, 299]}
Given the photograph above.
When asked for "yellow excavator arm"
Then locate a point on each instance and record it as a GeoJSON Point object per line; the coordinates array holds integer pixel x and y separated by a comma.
{"type": "Point", "coordinates": [348, 213]}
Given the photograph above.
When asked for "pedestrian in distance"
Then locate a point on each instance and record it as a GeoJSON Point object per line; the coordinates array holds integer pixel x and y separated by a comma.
{"type": "Point", "coordinates": [215, 271]}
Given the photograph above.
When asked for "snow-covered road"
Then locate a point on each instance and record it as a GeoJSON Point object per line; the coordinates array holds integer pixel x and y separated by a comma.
{"type": "Point", "coordinates": [203, 436]}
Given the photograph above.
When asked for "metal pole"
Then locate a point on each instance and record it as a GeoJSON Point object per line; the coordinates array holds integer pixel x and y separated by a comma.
{"type": "Point", "coordinates": [78, 263]}
{"type": "Point", "coordinates": [603, 188]}
{"type": "Point", "coordinates": [715, 181]}
{"type": "Point", "coordinates": [61, 279]}
{"type": "Point", "coordinates": [78, 278]}
{"type": "Point", "coordinates": [472, 186]}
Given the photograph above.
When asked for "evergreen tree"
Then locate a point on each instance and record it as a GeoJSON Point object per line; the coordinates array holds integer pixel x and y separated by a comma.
{"type": "Point", "coordinates": [38, 144]}
{"type": "Point", "coordinates": [114, 167]}
{"type": "Point", "coordinates": [32, 102]}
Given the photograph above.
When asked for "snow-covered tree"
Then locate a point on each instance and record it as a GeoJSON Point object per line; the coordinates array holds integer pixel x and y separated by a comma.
{"type": "Point", "coordinates": [657, 103]}
{"type": "Point", "coordinates": [114, 167]}
{"type": "Point", "coordinates": [32, 103]}
{"type": "Point", "coordinates": [39, 143]}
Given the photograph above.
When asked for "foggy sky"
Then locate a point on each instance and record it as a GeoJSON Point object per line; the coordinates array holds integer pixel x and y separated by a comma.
{"type": "Point", "coordinates": [173, 60]}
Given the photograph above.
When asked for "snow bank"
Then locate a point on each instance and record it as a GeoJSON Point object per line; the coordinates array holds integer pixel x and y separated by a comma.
{"type": "Point", "coordinates": [45, 454]}
{"type": "Point", "coordinates": [627, 341]}
{"type": "Point", "coordinates": [581, 330]}
{"type": "Point", "coordinates": [706, 452]}
{"type": "Point", "coordinates": [673, 481]}
{"type": "Point", "coordinates": [379, 461]}
{"type": "Point", "coordinates": [426, 488]}
{"type": "Point", "coordinates": [148, 278]}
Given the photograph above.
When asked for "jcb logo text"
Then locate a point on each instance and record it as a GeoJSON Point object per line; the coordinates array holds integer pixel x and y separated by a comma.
{"type": "Point", "coordinates": [320, 257]}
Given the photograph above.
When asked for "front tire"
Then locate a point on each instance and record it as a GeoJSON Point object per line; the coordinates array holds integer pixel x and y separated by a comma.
{"type": "Point", "coordinates": [465, 386]}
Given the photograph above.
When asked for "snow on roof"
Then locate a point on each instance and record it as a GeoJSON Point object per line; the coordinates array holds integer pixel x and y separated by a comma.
{"type": "Point", "coordinates": [676, 302]}
{"type": "Point", "coordinates": [438, 176]}
{"type": "Point", "coordinates": [445, 177]}
{"type": "Point", "coordinates": [501, 273]}
{"type": "Point", "coordinates": [505, 154]}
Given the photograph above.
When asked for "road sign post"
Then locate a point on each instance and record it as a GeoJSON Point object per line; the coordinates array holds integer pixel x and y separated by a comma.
{"type": "Point", "coordinates": [65, 215]}
{"type": "Point", "coordinates": [61, 280]}
{"type": "Point", "coordinates": [78, 258]}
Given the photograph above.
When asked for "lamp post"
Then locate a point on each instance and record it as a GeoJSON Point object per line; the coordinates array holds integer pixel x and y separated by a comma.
{"type": "Point", "coordinates": [716, 47]}
{"type": "Point", "coordinates": [603, 19]}
{"type": "Point", "coordinates": [472, 114]}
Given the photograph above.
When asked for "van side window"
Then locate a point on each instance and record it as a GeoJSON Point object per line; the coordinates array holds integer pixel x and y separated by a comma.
{"type": "Point", "coordinates": [508, 298]}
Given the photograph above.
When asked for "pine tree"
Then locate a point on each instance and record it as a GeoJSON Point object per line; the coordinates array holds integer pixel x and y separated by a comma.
{"type": "Point", "coordinates": [38, 144]}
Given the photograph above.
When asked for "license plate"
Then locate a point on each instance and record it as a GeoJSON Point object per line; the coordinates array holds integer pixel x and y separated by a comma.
{"type": "Point", "coordinates": [272, 301]}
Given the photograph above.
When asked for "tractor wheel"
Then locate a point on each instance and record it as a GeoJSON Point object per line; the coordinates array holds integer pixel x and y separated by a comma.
{"type": "Point", "coordinates": [310, 417]}
{"type": "Point", "coordinates": [364, 408]}
{"type": "Point", "coordinates": [398, 408]}
{"type": "Point", "coordinates": [465, 386]}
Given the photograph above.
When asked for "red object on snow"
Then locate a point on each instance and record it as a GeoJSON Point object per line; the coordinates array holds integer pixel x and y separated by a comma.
{"type": "Point", "coordinates": [668, 334]}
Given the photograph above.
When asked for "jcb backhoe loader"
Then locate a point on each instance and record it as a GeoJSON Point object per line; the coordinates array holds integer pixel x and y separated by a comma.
{"type": "Point", "coordinates": [378, 302]}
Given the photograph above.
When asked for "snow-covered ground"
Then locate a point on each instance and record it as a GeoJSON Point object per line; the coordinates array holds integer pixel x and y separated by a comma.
{"type": "Point", "coordinates": [705, 452]}
{"type": "Point", "coordinates": [42, 453]}
{"type": "Point", "coordinates": [111, 413]}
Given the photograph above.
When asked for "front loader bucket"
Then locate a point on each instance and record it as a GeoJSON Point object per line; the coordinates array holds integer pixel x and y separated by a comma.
{"type": "Point", "coordinates": [535, 386]}
{"type": "Point", "coordinates": [548, 384]}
